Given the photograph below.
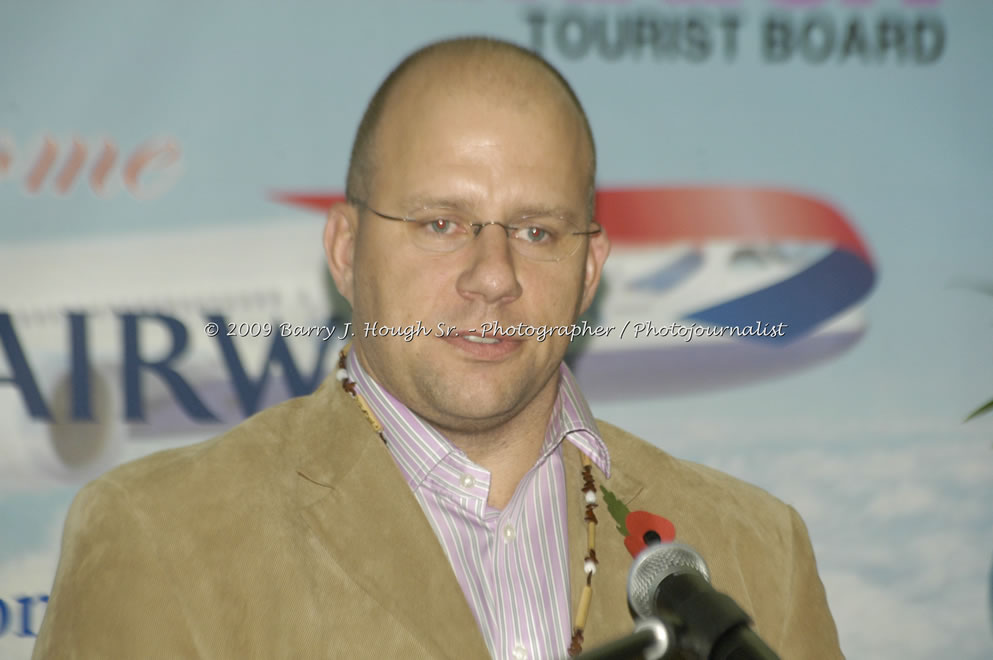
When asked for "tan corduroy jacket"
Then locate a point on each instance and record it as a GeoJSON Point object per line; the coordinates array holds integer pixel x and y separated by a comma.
{"type": "Point", "coordinates": [294, 535]}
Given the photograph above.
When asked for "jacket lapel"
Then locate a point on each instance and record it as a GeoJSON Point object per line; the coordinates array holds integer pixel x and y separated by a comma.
{"type": "Point", "coordinates": [370, 523]}
{"type": "Point", "coordinates": [609, 617]}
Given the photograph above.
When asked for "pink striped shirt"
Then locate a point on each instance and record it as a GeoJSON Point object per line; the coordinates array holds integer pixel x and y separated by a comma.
{"type": "Point", "coordinates": [512, 564]}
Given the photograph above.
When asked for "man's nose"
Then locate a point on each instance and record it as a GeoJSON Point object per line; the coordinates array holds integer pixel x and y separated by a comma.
{"type": "Point", "coordinates": [491, 272]}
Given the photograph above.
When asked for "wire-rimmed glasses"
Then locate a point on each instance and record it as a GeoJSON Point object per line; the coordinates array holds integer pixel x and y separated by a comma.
{"type": "Point", "coordinates": [539, 237]}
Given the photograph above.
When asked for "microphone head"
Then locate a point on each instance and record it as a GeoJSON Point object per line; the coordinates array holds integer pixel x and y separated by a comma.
{"type": "Point", "coordinates": [654, 564]}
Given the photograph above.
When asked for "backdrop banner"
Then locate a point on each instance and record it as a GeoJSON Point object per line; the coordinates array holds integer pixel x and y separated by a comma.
{"type": "Point", "coordinates": [800, 291]}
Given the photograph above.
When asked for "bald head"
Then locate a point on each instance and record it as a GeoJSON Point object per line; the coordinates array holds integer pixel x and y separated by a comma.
{"type": "Point", "coordinates": [498, 71]}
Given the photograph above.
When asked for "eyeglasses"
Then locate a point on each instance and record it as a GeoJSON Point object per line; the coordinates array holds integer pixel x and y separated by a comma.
{"type": "Point", "coordinates": [541, 237]}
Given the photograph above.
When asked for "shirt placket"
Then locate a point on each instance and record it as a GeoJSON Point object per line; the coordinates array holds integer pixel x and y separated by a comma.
{"type": "Point", "coordinates": [508, 580]}
{"type": "Point", "coordinates": [461, 489]}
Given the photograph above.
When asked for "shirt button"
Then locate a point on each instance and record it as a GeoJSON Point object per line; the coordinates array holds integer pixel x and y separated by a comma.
{"type": "Point", "coordinates": [509, 534]}
{"type": "Point", "coordinates": [520, 653]}
{"type": "Point", "coordinates": [468, 481]}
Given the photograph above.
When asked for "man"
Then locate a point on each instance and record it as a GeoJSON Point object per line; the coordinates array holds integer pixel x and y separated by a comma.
{"type": "Point", "coordinates": [436, 497]}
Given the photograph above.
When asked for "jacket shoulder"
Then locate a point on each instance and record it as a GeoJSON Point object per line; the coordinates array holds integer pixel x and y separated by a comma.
{"type": "Point", "coordinates": [731, 522]}
{"type": "Point", "coordinates": [250, 460]}
{"type": "Point", "coordinates": [755, 545]}
{"type": "Point", "coordinates": [652, 465]}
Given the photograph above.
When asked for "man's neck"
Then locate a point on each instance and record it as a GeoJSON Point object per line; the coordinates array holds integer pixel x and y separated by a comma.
{"type": "Point", "coordinates": [510, 450]}
{"type": "Point", "coordinates": [507, 462]}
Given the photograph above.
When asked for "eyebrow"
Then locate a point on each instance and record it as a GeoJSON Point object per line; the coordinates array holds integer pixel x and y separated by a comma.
{"type": "Point", "coordinates": [468, 206]}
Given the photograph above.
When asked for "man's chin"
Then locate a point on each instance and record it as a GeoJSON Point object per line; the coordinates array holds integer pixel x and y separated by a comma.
{"type": "Point", "coordinates": [467, 410]}
{"type": "Point", "coordinates": [476, 403]}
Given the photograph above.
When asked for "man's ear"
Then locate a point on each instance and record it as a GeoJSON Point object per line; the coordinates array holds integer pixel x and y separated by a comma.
{"type": "Point", "coordinates": [596, 255]}
{"type": "Point", "coordinates": [339, 246]}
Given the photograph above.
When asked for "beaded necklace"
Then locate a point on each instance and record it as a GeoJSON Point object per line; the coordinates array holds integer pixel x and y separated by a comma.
{"type": "Point", "coordinates": [589, 498]}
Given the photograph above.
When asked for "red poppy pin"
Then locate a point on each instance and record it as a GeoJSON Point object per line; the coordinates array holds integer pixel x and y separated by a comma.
{"type": "Point", "coordinates": [638, 527]}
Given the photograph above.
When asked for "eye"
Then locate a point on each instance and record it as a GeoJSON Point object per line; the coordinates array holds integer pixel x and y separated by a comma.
{"type": "Point", "coordinates": [534, 234]}
{"type": "Point", "coordinates": [439, 225]}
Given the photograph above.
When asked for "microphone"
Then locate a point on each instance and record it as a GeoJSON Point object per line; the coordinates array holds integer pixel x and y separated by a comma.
{"type": "Point", "coordinates": [671, 581]}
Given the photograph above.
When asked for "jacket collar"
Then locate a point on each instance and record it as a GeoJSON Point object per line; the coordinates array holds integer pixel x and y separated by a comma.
{"type": "Point", "coordinates": [342, 465]}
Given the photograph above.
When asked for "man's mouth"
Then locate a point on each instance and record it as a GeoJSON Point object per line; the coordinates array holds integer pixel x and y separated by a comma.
{"type": "Point", "coordinates": [476, 339]}
{"type": "Point", "coordinates": [483, 345]}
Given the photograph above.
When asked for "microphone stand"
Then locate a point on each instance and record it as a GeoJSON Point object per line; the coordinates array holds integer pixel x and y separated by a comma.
{"type": "Point", "coordinates": [649, 641]}
{"type": "Point", "coordinates": [654, 637]}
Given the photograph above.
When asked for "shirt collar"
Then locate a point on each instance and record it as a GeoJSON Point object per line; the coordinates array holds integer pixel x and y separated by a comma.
{"type": "Point", "coordinates": [418, 447]}
{"type": "Point", "coordinates": [573, 420]}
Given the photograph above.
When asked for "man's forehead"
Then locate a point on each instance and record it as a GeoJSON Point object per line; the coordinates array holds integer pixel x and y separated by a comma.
{"type": "Point", "coordinates": [444, 99]}
{"type": "Point", "coordinates": [437, 130]}
{"type": "Point", "coordinates": [444, 92]}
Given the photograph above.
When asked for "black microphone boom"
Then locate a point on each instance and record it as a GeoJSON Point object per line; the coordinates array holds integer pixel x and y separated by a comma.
{"type": "Point", "coordinates": [671, 581]}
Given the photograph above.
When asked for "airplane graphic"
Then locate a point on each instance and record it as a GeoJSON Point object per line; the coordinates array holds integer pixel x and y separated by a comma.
{"type": "Point", "coordinates": [107, 358]}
